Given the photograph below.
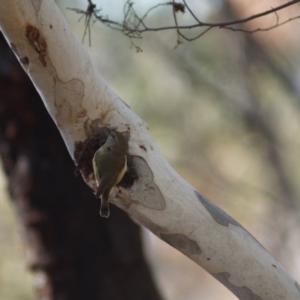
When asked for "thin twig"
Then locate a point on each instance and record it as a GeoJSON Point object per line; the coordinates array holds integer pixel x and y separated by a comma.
{"type": "Point", "coordinates": [261, 29]}
{"type": "Point", "coordinates": [134, 26]}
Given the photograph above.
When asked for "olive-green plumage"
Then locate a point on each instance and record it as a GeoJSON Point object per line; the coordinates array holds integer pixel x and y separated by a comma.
{"type": "Point", "coordinates": [110, 165]}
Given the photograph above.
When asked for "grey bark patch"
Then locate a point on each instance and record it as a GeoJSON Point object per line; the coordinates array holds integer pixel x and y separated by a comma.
{"type": "Point", "coordinates": [218, 215]}
{"type": "Point", "coordinates": [297, 286]}
{"type": "Point", "coordinates": [221, 217]}
{"type": "Point", "coordinates": [182, 243]}
{"type": "Point", "coordinates": [144, 190]}
{"type": "Point", "coordinates": [241, 292]}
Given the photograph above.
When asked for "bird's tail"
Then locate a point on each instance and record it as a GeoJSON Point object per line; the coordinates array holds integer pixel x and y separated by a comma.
{"type": "Point", "coordinates": [104, 210]}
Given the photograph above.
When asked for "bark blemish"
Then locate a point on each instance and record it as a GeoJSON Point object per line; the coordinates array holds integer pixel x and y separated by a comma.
{"type": "Point", "coordinates": [182, 243]}
{"type": "Point", "coordinates": [218, 215]}
{"type": "Point", "coordinates": [81, 113]}
{"type": "Point", "coordinates": [38, 42]}
{"type": "Point", "coordinates": [143, 148]}
{"type": "Point", "coordinates": [24, 60]}
{"type": "Point", "coordinates": [297, 286]}
{"type": "Point", "coordinates": [241, 292]}
{"type": "Point", "coordinates": [14, 48]}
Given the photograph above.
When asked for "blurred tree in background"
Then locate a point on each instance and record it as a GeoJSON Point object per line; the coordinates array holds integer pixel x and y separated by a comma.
{"type": "Point", "coordinates": [225, 112]}
{"type": "Point", "coordinates": [76, 254]}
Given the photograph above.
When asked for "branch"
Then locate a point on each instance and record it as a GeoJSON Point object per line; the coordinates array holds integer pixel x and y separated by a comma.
{"type": "Point", "coordinates": [82, 104]}
{"type": "Point", "coordinates": [134, 26]}
{"type": "Point", "coordinates": [262, 29]}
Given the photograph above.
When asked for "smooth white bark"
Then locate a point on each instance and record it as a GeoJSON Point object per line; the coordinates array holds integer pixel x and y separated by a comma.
{"type": "Point", "coordinates": [76, 97]}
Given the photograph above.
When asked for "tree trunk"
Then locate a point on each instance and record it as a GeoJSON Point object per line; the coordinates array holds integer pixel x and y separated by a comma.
{"type": "Point", "coordinates": [81, 103]}
{"type": "Point", "coordinates": [78, 254]}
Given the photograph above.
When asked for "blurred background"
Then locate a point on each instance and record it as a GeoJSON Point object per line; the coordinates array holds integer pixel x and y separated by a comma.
{"type": "Point", "coordinates": [225, 112]}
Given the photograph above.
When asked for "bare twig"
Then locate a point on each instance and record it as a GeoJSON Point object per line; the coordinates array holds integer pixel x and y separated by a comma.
{"type": "Point", "coordinates": [134, 26]}
{"type": "Point", "coordinates": [89, 13]}
{"type": "Point", "coordinates": [262, 29]}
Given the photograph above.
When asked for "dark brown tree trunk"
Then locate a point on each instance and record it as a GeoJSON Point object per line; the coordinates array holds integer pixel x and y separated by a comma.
{"type": "Point", "coordinates": [82, 255]}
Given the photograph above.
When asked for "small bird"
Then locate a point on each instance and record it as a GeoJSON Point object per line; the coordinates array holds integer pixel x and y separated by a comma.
{"type": "Point", "coordinates": [110, 165]}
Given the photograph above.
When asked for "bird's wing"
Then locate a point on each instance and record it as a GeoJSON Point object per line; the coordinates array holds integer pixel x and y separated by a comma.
{"type": "Point", "coordinates": [107, 181]}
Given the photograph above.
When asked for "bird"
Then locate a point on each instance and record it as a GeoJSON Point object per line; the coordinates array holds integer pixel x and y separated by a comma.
{"type": "Point", "coordinates": [110, 165]}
